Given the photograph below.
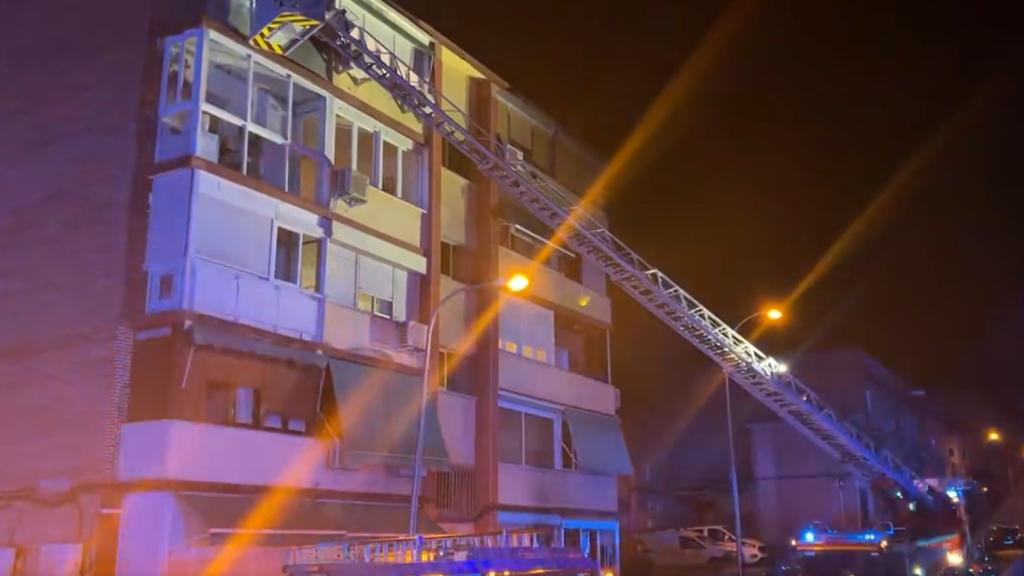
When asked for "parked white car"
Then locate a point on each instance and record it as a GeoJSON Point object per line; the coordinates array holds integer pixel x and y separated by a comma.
{"type": "Point", "coordinates": [676, 548]}
{"type": "Point", "coordinates": [753, 550]}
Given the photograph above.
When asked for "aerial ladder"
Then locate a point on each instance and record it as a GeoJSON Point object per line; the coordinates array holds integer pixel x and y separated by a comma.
{"type": "Point", "coordinates": [291, 22]}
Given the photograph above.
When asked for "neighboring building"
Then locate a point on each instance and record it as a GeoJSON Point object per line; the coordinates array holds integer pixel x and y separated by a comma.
{"type": "Point", "coordinates": [200, 319]}
{"type": "Point", "coordinates": [793, 482]}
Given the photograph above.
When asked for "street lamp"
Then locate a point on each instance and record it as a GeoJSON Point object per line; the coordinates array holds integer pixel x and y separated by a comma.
{"type": "Point", "coordinates": [515, 283]}
{"type": "Point", "coordinates": [772, 314]}
{"type": "Point", "coordinates": [993, 436]}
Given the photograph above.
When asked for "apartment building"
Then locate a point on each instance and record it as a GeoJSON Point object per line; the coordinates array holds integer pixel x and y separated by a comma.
{"type": "Point", "coordinates": [221, 269]}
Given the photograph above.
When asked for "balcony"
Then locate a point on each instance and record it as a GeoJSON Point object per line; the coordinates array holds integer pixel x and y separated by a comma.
{"type": "Point", "coordinates": [387, 214]}
{"type": "Point", "coordinates": [198, 452]}
{"type": "Point", "coordinates": [546, 382]}
{"type": "Point", "coordinates": [538, 487]}
{"type": "Point", "coordinates": [232, 294]}
{"type": "Point", "coordinates": [547, 284]}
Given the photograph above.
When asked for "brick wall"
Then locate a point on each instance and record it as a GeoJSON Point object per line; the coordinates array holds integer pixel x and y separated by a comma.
{"type": "Point", "coordinates": [71, 144]}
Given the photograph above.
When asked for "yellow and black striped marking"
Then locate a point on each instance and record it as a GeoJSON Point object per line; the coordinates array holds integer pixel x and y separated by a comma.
{"type": "Point", "coordinates": [262, 39]}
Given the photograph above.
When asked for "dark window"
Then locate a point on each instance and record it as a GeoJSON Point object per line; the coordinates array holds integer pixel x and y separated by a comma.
{"type": "Point", "coordinates": [227, 404]}
{"type": "Point", "coordinates": [688, 543]}
{"type": "Point", "coordinates": [510, 439]}
{"type": "Point", "coordinates": [447, 259]}
{"type": "Point", "coordinates": [581, 347]}
{"type": "Point", "coordinates": [453, 159]}
{"type": "Point", "coordinates": [286, 256]}
{"type": "Point", "coordinates": [538, 440]}
{"type": "Point", "coordinates": [166, 287]}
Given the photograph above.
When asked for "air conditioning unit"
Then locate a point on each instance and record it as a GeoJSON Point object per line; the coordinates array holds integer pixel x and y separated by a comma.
{"type": "Point", "coordinates": [349, 186]}
{"type": "Point", "coordinates": [514, 156]}
{"type": "Point", "coordinates": [414, 335]}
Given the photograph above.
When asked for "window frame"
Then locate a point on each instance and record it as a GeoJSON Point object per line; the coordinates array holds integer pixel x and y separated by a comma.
{"type": "Point", "coordinates": [248, 124]}
{"type": "Point", "coordinates": [550, 413]}
{"type": "Point", "coordinates": [319, 290]}
{"type": "Point", "coordinates": [380, 134]}
{"type": "Point", "coordinates": [167, 109]}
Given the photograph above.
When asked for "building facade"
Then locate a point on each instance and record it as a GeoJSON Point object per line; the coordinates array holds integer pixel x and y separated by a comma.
{"type": "Point", "coordinates": [228, 359]}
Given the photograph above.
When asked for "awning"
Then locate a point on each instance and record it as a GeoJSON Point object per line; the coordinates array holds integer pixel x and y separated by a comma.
{"type": "Point", "coordinates": [329, 519]}
{"type": "Point", "coordinates": [378, 410]}
{"type": "Point", "coordinates": [214, 337]}
{"type": "Point", "coordinates": [600, 445]}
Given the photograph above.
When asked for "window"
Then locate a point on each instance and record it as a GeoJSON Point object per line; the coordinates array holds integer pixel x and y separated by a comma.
{"type": "Point", "coordinates": [528, 243]}
{"type": "Point", "coordinates": [569, 458]}
{"type": "Point", "coordinates": [375, 305]}
{"type": "Point", "coordinates": [389, 168]}
{"type": "Point", "coordinates": [365, 152]}
{"type": "Point", "coordinates": [286, 256]}
{"type": "Point", "coordinates": [297, 259]}
{"type": "Point", "coordinates": [165, 288]}
{"type": "Point", "coordinates": [226, 404]}
{"type": "Point", "coordinates": [581, 347]}
{"type": "Point", "coordinates": [530, 438]}
{"type": "Point", "coordinates": [177, 106]}
{"type": "Point", "coordinates": [453, 159]}
{"type": "Point", "coordinates": [368, 284]}
{"type": "Point", "coordinates": [447, 259]}
{"type": "Point", "coordinates": [392, 164]}
{"type": "Point", "coordinates": [538, 441]}
{"type": "Point", "coordinates": [260, 121]}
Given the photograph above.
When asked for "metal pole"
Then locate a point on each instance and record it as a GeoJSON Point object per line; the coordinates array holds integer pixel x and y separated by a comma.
{"type": "Point", "coordinates": [417, 467]}
{"type": "Point", "coordinates": [733, 477]}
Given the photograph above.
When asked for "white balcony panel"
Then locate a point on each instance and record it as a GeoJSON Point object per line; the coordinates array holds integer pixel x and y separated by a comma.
{"type": "Point", "coordinates": [551, 286]}
{"type": "Point", "coordinates": [214, 289]}
{"type": "Point", "coordinates": [179, 450]}
{"type": "Point", "coordinates": [541, 488]}
{"type": "Point", "coordinates": [546, 382]}
{"type": "Point", "coordinates": [387, 214]}
{"type": "Point", "coordinates": [297, 310]}
{"type": "Point", "coordinates": [457, 413]}
{"type": "Point", "coordinates": [257, 300]}
{"type": "Point", "coordinates": [346, 328]}
{"type": "Point", "coordinates": [225, 292]}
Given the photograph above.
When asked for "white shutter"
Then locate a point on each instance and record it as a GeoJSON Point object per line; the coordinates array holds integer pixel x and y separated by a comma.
{"type": "Point", "coordinates": [232, 235]}
{"type": "Point", "coordinates": [340, 284]}
{"type": "Point", "coordinates": [401, 301]}
{"type": "Point", "coordinates": [375, 278]}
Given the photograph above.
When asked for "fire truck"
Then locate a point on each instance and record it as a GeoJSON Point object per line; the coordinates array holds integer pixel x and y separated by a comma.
{"type": "Point", "coordinates": [507, 553]}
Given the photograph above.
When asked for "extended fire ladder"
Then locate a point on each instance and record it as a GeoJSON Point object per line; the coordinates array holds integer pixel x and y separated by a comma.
{"type": "Point", "coordinates": [758, 374]}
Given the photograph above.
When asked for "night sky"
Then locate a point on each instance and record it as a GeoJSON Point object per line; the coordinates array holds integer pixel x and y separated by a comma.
{"type": "Point", "coordinates": [803, 113]}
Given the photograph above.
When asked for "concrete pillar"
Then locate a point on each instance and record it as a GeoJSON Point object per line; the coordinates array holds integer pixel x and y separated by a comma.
{"type": "Point", "coordinates": [152, 525]}
{"type": "Point", "coordinates": [484, 207]}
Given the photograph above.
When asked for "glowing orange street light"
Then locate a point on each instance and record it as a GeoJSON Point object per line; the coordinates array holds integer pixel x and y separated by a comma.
{"type": "Point", "coordinates": [773, 314]}
{"type": "Point", "coordinates": [517, 282]}
{"type": "Point", "coordinates": [993, 436]}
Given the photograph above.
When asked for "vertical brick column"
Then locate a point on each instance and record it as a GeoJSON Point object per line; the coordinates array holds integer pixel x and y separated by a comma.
{"type": "Point", "coordinates": [483, 211]}
{"type": "Point", "coordinates": [120, 387]}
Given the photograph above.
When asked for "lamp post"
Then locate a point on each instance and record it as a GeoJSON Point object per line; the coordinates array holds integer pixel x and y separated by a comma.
{"type": "Point", "coordinates": [771, 314]}
{"type": "Point", "coordinates": [515, 283]}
